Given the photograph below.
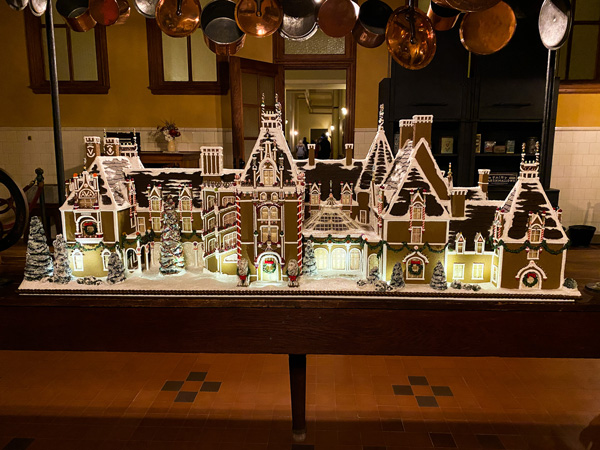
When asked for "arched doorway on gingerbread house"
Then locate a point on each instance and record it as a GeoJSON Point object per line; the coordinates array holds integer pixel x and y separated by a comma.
{"type": "Point", "coordinates": [269, 267]}
{"type": "Point", "coordinates": [531, 276]}
{"type": "Point", "coordinates": [143, 260]}
{"type": "Point", "coordinates": [132, 260]}
{"type": "Point", "coordinates": [414, 265]}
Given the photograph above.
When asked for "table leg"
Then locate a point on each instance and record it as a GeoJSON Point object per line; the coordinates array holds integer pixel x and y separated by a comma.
{"type": "Point", "coordinates": [297, 365]}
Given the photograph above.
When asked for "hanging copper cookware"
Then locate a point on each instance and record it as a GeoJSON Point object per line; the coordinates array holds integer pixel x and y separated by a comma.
{"type": "Point", "coordinates": [410, 38]}
{"type": "Point", "coordinates": [105, 12]}
{"type": "Point", "coordinates": [124, 12]}
{"type": "Point", "coordinates": [299, 20]}
{"type": "Point", "coordinates": [258, 17]}
{"type": "Point", "coordinates": [221, 32]}
{"type": "Point", "coordinates": [369, 30]}
{"type": "Point", "coordinates": [443, 3]}
{"type": "Point", "coordinates": [178, 18]}
{"type": "Point", "coordinates": [17, 5]}
{"type": "Point", "coordinates": [487, 32]}
{"type": "Point", "coordinates": [555, 23]}
{"type": "Point", "coordinates": [146, 8]}
{"type": "Point", "coordinates": [471, 5]}
{"type": "Point", "coordinates": [38, 7]}
{"type": "Point", "coordinates": [76, 14]}
{"type": "Point", "coordinates": [337, 17]}
{"type": "Point", "coordinates": [442, 18]}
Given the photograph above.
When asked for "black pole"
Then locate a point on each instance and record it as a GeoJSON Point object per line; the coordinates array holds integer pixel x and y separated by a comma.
{"type": "Point", "coordinates": [547, 144]}
{"type": "Point", "coordinates": [58, 146]}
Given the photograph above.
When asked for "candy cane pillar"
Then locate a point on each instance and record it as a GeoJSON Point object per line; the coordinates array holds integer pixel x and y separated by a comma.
{"type": "Point", "coordinates": [238, 223]}
{"type": "Point", "coordinates": [299, 232]}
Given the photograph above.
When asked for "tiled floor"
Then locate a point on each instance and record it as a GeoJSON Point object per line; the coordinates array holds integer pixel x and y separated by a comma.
{"type": "Point", "coordinates": [99, 401]}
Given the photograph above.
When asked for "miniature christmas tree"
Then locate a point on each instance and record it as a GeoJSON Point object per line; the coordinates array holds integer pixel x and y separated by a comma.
{"type": "Point", "coordinates": [62, 270]}
{"type": "Point", "coordinates": [373, 275]}
{"type": "Point", "coordinates": [309, 261]}
{"type": "Point", "coordinates": [116, 270]}
{"type": "Point", "coordinates": [438, 279]}
{"type": "Point", "coordinates": [397, 280]}
{"type": "Point", "coordinates": [570, 283]}
{"type": "Point", "coordinates": [292, 272]}
{"type": "Point", "coordinates": [171, 250]}
{"type": "Point", "coordinates": [38, 263]}
{"type": "Point", "coordinates": [243, 272]}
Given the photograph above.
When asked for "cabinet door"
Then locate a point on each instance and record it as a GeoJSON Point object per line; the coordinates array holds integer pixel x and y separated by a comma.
{"type": "Point", "coordinates": [438, 88]}
{"type": "Point", "coordinates": [512, 82]}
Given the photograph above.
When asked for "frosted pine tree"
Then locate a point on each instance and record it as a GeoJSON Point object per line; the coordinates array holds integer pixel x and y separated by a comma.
{"type": "Point", "coordinates": [438, 279]}
{"type": "Point", "coordinates": [171, 250]}
{"type": "Point", "coordinates": [373, 276]}
{"type": "Point", "coordinates": [309, 263]}
{"type": "Point", "coordinates": [62, 270]}
{"type": "Point", "coordinates": [397, 280]}
{"type": "Point", "coordinates": [38, 263]}
{"type": "Point", "coordinates": [116, 270]}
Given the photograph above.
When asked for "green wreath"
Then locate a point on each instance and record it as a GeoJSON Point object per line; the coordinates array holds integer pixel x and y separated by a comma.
{"type": "Point", "coordinates": [268, 266]}
{"type": "Point", "coordinates": [89, 228]}
{"type": "Point", "coordinates": [415, 267]}
{"type": "Point", "coordinates": [526, 279]}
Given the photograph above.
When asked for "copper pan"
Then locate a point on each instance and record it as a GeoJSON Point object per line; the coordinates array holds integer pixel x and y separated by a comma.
{"type": "Point", "coordinates": [555, 23]}
{"type": "Point", "coordinates": [487, 32]}
{"type": "Point", "coordinates": [337, 17]}
{"type": "Point", "coordinates": [442, 18]}
{"type": "Point", "coordinates": [146, 8]}
{"type": "Point", "coordinates": [472, 5]}
{"type": "Point", "coordinates": [17, 5]}
{"type": "Point", "coordinates": [76, 14]}
{"type": "Point", "coordinates": [178, 18]}
{"type": "Point", "coordinates": [410, 38]}
{"type": "Point", "coordinates": [221, 32]}
{"type": "Point", "coordinates": [124, 12]}
{"type": "Point", "coordinates": [105, 12]}
{"type": "Point", "coordinates": [259, 18]}
{"type": "Point", "coordinates": [369, 30]}
{"type": "Point", "coordinates": [443, 3]}
{"type": "Point", "coordinates": [299, 20]}
{"type": "Point", "coordinates": [38, 7]}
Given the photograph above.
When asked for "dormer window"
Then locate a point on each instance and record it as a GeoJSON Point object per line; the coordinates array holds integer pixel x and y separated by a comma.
{"type": "Point", "coordinates": [314, 199]}
{"type": "Point", "coordinates": [186, 204]}
{"type": "Point", "coordinates": [417, 212]}
{"type": "Point", "coordinates": [460, 244]}
{"type": "Point", "coordinates": [479, 244]}
{"type": "Point", "coordinates": [536, 235]}
{"type": "Point", "coordinates": [263, 196]}
{"type": "Point", "coordinates": [154, 204]}
{"type": "Point", "coordinates": [346, 199]}
{"type": "Point", "coordinates": [268, 175]}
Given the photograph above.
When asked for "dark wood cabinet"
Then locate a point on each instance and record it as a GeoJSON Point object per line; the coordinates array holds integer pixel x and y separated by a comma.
{"type": "Point", "coordinates": [499, 97]}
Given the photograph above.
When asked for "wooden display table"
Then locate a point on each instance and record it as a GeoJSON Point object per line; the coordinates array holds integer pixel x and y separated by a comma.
{"type": "Point", "coordinates": [170, 159]}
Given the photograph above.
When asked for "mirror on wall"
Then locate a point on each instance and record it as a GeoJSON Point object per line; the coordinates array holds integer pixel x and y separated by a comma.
{"type": "Point", "coordinates": [315, 109]}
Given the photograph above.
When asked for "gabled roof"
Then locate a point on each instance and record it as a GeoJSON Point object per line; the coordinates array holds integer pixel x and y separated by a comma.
{"type": "Point", "coordinates": [479, 218]}
{"type": "Point", "coordinates": [330, 219]}
{"type": "Point", "coordinates": [330, 169]}
{"type": "Point", "coordinates": [399, 168]}
{"type": "Point", "coordinates": [528, 195]}
{"type": "Point", "coordinates": [377, 162]}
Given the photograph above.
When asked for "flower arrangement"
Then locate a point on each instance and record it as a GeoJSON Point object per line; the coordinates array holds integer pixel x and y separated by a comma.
{"type": "Point", "coordinates": [169, 130]}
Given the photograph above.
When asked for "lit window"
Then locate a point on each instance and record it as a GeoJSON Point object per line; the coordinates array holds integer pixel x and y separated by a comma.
{"type": "Point", "coordinates": [274, 196]}
{"type": "Point", "coordinates": [105, 259]}
{"type": "Point", "coordinates": [363, 217]}
{"type": "Point", "coordinates": [268, 177]}
{"type": "Point", "coordinates": [264, 213]}
{"type": "Point", "coordinates": [533, 254]}
{"type": "Point", "coordinates": [460, 247]}
{"type": "Point", "coordinates": [477, 271]}
{"type": "Point", "coordinates": [210, 202]}
{"type": "Point", "coordinates": [229, 200]}
{"type": "Point", "coordinates": [212, 244]}
{"type": "Point", "coordinates": [338, 259]}
{"type": "Point", "coordinates": [274, 234]}
{"type": "Point", "coordinates": [536, 235]}
{"type": "Point", "coordinates": [354, 259]}
{"type": "Point", "coordinates": [458, 271]}
{"type": "Point", "coordinates": [77, 261]}
{"type": "Point", "coordinates": [155, 204]}
{"type": "Point", "coordinates": [229, 240]}
{"type": "Point", "coordinates": [416, 235]}
{"type": "Point", "coordinates": [141, 224]}
{"type": "Point", "coordinates": [373, 262]}
{"type": "Point", "coordinates": [495, 274]}
{"type": "Point", "coordinates": [186, 204]}
{"type": "Point", "coordinates": [263, 196]}
{"type": "Point", "coordinates": [156, 224]}
{"type": "Point", "coordinates": [417, 212]}
{"type": "Point", "coordinates": [274, 214]}
{"type": "Point", "coordinates": [321, 257]}
{"type": "Point", "coordinates": [210, 223]}
{"type": "Point", "coordinates": [314, 199]}
{"type": "Point", "coordinates": [229, 218]}
{"type": "Point", "coordinates": [346, 199]}
{"type": "Point", "coordinates": [186, 223]}
{"type": "Point", "coordinates": [479, 247]}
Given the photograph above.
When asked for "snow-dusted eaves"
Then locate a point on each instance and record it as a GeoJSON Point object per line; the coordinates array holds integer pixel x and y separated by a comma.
{"type": "Point", "coordinates": [279, 144]}
{"type": "Point", "coordinates": [479, 218]}
{"type": "Point", "coordinates": [334, 170]}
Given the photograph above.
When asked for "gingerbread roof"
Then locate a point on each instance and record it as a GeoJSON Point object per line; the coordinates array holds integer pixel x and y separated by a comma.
{"type": "Point", "coordinates": [415, 180]}
{"type": "Point", "coordinates": [478, 219]}
{"type": "Point", "coordinates": [331, 220]}
{"type": "Point", "coordinates": [377, 162]}
{"type": "Point", "coordinates": [331, 169]}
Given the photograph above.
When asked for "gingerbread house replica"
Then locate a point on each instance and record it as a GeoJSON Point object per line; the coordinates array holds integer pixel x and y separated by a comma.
{"type": "Point", "coordinates": [358, 214]}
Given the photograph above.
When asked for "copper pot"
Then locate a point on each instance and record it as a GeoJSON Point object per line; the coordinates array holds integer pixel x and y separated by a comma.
{"type": "Point", "coordinates": [337, 17]}
{"type": "Point", "coordinates": [299, 20]}
{"type": "Point", "coordinates": [146, 8]}
{"type": "Point", "coordinates": [487, 32]}
{"type": "Point", "coordinates": [258, 17]}
{"type": "Point", "coordinates": [442, 18]}
{"type": "Point", "coordinates": [178, 18]}
{"type": "Point", "coordinates": [124, 12]}
{"type": "Point", "coordinates": [17, 5]}
{"type": "Point", "coordinates": [369, 30]}
{"type": "Point", "coordinates": [443, 3]}
{"type": "Point", "coordinates": [76, 14]}
{"type": "Point", "coordinates": [221, 32]}
{"type": "Point", "coordinates": [410, 38]}
{"type": "Point", "coordinates": [105, 12]}
{"type": "Point", "coordinates": [471, 5]}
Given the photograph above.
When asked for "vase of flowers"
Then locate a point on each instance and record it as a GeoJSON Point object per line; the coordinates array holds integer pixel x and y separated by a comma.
{"type": "Point", "coordinates": [169, 132]}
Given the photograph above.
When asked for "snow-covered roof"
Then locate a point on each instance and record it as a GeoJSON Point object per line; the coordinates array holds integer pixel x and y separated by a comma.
{"type": "Point", "coordinates": [335, 170]}
{"type": "Point", "coordinates": [330, 219]}
{"type": "Point", "coordinates": [479, 217]}
{"type": "Point", "coordinates": [377, 162]}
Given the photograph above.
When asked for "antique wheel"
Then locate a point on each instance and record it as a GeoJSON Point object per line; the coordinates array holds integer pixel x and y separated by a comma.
{"type": "Point", "coordinates": [14, 211]}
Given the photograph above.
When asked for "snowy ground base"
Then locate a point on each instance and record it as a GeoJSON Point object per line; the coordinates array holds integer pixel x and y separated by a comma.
{"type": "Point", "coordinates": [207, 284]}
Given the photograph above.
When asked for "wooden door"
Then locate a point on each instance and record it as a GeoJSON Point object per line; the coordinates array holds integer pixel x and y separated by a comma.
{"type": "Point", "coordinates": [249, 81]}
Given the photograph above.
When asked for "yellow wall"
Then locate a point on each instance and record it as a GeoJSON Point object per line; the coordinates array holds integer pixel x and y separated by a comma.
{"type": "Point", "coordinates": [578, 110]}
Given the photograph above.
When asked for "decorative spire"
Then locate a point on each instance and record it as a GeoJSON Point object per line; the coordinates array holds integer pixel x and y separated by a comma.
{"type": "Point", "coordinates": [449, 172]}
{"type": "Point", "coordinates": [380, 121]}
{"type": "Point", "coordinates": [262, 107]}
{"type": "Point", "coordinates": [278, 110]}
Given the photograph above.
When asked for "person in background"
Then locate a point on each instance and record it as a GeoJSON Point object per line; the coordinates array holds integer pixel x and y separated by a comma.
{"type": "Point", "coordinates": [324, 148]}
{"type": "Point", "coordinates": [301, 149]}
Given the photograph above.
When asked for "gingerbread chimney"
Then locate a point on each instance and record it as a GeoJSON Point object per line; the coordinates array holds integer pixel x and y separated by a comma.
{"type": "Point", "coordinates": [422, 128]}
{"type": "Point", "coordinates": [311, 154]}
{"type": "Point", "coordinates": [111, 146]}
{"type": "Point", "coordinates": [406, 131]}
{"type": "Point", "coordinates": [92, 147]}
{"type": "Point", "coordinates": [349, 153]}
{"type": "Point", "coordinates": [484, 175]}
